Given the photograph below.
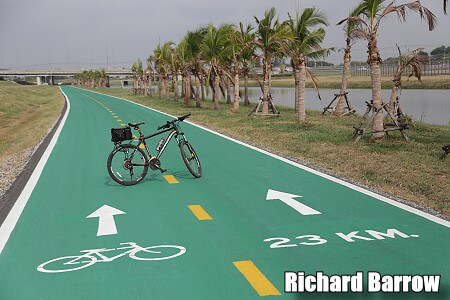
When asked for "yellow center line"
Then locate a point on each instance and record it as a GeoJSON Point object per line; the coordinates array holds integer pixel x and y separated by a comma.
{"type": "Point", "coordinates": [256, 278]}
{"type": "Point", "coordinates": [119, 120]}
{"type": "Point", "coordinates": [199, 212]}
{"type": "Point", "coordinates": [116, 117]}
{"type": "Point", "coordinates": [171, 179]}
{"type": "Point", "coordinates": [122, 124]}
{"type": "Point", "coordinates": [142, 146]}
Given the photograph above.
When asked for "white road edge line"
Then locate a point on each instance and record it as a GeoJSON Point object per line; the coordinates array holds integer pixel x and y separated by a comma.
{"type": "Point", "coordinates": [329, 177]}
{"type": "Point", "coordinates": [11, 220]}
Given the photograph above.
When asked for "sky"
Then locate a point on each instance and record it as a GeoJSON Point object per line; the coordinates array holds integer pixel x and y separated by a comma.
{"type": "Point", "coordinates": [55, 34]}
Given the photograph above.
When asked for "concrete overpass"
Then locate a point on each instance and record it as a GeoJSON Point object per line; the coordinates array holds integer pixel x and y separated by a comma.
{"type": "Point", "coordinates": [47, 76]}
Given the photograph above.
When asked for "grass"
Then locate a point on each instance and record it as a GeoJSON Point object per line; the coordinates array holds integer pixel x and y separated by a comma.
{"type": "Point", "coordinates": [409, 170]}
{"type": "Point", "coordinates": [364, 82]}
{"type": "Point", "coordinates": [26, 114]}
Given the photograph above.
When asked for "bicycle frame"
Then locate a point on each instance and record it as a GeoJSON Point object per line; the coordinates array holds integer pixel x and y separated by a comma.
{"type": "Point", "coordinates": [174, 131]}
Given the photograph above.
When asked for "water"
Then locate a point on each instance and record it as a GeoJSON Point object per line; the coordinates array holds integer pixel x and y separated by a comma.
{"type": "Point", "coordinates": [429, 106]}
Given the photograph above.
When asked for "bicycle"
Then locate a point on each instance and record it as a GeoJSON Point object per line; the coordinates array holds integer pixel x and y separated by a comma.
{"type": "Point", "coordinates": [78, 262]}
{"type": "Point", "coordinates": [128, 164]}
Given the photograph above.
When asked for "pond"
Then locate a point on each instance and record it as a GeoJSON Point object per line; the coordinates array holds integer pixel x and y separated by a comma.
{"type": "Point", "coordinates": [429, 106]}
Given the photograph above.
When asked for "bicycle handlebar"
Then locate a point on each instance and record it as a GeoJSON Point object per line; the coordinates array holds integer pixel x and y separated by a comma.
{"type": "Point", "coordinates": [170, 123]}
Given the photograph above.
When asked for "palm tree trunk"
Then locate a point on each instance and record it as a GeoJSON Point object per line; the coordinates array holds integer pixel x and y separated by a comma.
{"type": "Point", "coordinates": [197, 92]}
{"type": "Point", "coordinates": [150, 91]}
{"type": "Point", "coordinates": [145, 86]}
{"type": "Point", "coordinates": [175, 87]}
{"type": "Point", "coordinates": [187, 90]}
{"type": "Point", "coordinates": [159, 86]}
{"type": "Point", "coordinates": [396, 87]}
{"type": "Point", "coordinates": [167, 87]}
{"type": "Point", "coordinates": [339, 110]}
{"type": "Point", "coordinates": [235, 107]}
{"type": "Point", "coordinates": [202, 86]}
{"type": "Point", "coordinates": [246, 102]}
{"type": "Point", "coordinates": [393, 98]}
{"type": "Point", "coordinates": [266, 87]}
{"type": "Point", "coordinates": [377, 100]}
{"type": "Point", "coordinates": [191, 86]}
{"type": "Point", "coordinates": [183, 85]}
{"type": "Point", "coordinates": [228, 90]}
{"type": "Point", "coordinates": [301, 94]}
{"type": "Point", "coordinates": [270, 80]}
{"type": "Point", "coordinates": [296, 79]}
{"type": "Point", "coordinates": [216, 91]}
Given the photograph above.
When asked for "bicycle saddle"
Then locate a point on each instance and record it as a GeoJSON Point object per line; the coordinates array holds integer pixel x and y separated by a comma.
{"type": "Point", "coordinates": [135, 124]}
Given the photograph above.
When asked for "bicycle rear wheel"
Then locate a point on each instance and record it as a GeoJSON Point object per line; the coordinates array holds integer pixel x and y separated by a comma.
{"type": "Point", "coordinates": [127, 164]}
{"type": "Point", "coordinates": [190, 159]}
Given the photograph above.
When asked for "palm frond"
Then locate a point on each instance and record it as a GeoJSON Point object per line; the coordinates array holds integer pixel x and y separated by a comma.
{"type": "Point", "coordinates": [315, 82]}
{"type": "Point", "coordinates": [403, 10]}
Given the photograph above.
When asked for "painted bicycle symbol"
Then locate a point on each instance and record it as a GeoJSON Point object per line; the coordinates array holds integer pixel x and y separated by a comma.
{"type": "Point", "coordinates": [93, 256]}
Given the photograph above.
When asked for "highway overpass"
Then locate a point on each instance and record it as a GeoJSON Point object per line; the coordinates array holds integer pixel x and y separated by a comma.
{"type": "Point", "coordinates": [47, 76]}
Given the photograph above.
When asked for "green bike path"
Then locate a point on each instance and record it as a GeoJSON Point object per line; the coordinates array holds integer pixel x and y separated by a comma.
{"type": "Point", "coordinates": [238, 244]}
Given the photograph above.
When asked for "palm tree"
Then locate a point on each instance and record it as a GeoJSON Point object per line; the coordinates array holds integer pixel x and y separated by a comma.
{"type": "Point", "coordinates": [138, 73]}
{"type": "Point", "coordinates": [235, 48]}
{"type": "Point", "coordinates": [247, 54]}
{"type": "Point", "coordinates": [194, 39]}
{"type": "Point", "coordinates": [214, 49]}
{"type": "Point", "coordinates": [162, 57]}
{"type": "Point", "coordinates": [373, 12]}
{"type": "Point", "coordinates": [410, 60]}
{"type": "Point", "coordinates": [149, 76]}
{"type": "Point", "coordinates": [270, 37]}
{"type": "Point", "coordinates": [352, 34]}
{"type": "Point", "coordinates": [184, 67]}
{"type": "Point", "coordinates": [305, 45]}
{"type": "Point", "coordinates": [175, 66]}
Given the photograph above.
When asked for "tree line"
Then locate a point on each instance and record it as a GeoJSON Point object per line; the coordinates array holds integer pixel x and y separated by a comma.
{"type": "Point", "coordinates": [216, 57]}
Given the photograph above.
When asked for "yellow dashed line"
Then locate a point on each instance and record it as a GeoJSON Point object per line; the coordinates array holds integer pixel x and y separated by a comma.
{"type": "Point", "coordinates": [113, 114]}
{"type": "Point", "coordinates": [199, 212]}
{"type": "Point", "coordinates": [142, 146]}
{"type": "Point", "coordinates": [256, 278]}
{"type": "Point", "coordinates": [116, 117]}
{"type": "Point", "coordinates": [171, 179]}
{"type": "Point", "coordinates": [119, 120]}
{"type": "Point", "coordinates": [122, 124]}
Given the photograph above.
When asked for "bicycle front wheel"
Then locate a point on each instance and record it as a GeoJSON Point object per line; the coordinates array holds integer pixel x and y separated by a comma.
{"type": "Point", "coordinates": [127, 164]}
{"type": "Point", "coordinates": [190, 159]}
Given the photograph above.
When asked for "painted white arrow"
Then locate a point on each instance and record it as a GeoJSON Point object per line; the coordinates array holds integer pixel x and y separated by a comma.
{"type": "Point", "coordinates": [106, 223]}
{"type": "Point", "coordinates": [289, 200]}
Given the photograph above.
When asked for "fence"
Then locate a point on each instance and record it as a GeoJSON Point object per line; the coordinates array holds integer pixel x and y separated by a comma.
{"type": "Point", "coordinates": [429, 69]}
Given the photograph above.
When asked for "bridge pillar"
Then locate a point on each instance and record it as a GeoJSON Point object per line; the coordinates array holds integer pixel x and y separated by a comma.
{"type": "Point", "coordinates": [39, 80]}
{"type": "Point", "coordinates": [49, 80]}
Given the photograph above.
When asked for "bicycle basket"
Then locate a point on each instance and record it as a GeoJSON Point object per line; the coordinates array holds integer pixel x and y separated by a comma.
{"type": "Point", "coordinates": [121, 134]}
